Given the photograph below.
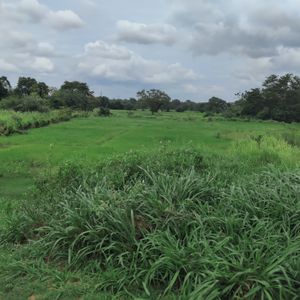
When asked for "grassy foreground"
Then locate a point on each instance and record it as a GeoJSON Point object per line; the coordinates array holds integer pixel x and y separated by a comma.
{"type": "Point", "coordinates": [161, 223]}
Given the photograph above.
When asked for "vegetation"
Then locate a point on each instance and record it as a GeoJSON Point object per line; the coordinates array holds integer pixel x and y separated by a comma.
{"type": "Point", "coordinates": [218, 219]}
{"type": "Point", "coordinates": [5, 87]}
{"type": "Point", "coordinates": [12, 122]}
{"type": "Point", "coordinates": [177, 223]}
{"type": "Point", "coordinates": [205, 207]}
{"type": "Point", "coordinates": [154, 100]}
{"type": "Point", "coordinates": [28, 103]}
{"type": "Point", "coordinates": [278, 99]}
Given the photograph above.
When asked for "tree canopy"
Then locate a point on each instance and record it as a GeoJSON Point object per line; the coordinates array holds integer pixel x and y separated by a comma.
{"type": "Point", "coordinates": [216, 105]}
{"type": "Point", "coordinates": [5, 87]}
{"type": "Point", "coordinates": [27, 86]}
{"type": "Point", "coordinates": [76, 86]}
{"type": "Point", "coordinates": [154, 99]}
{"type": "Point", "coordinates": [278, 99]}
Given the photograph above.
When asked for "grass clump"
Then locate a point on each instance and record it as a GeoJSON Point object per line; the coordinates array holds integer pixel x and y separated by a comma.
{"type": "Point", "coordinates": [16, 122]}
{"type": "Point", "coordinates": [170, 224]}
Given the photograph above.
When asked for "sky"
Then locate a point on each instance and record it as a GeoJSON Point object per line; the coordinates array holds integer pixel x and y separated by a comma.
{"type": "Point", "coordinates": [191, 49]}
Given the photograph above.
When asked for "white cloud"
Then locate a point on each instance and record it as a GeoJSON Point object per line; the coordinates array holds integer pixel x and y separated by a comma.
{"type": "Point", "coordinates": [42, 65]}
{"type": "Point", "coordinates": [250, 28]}
{"type": "Point", "coordinates": [7, 67]}
{"type": "Point", "coordinates": [167, 73]}
{"type": "Point", "coordinates": [287, 59]}
{"type": "Point", "coordinates": [16, 39]}
{"type": "Point", "coordinates": [120, 64]}
{"type": "Point", "coordinates": [146, 34]}
{"type": "Point", "coordinates": [198, 89]}
{"type": "Point", "coordinates": [45, 49]}
{"type": "Point", "coordinates": [20, 49]}
{"type": "Point", "coordinates": [34, 11]}
{"type": "Point", "coordinates": [253, 70]}
{"type": "Point", "coordinates": [64, 19]}
{"type": "Point", "coordinates": [104, 50]}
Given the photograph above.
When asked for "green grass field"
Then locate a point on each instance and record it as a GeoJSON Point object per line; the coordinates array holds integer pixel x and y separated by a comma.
{"type": "Point", "coordinates": [233, 149]}
{"type": "Point", "coordinates": [23, 156]}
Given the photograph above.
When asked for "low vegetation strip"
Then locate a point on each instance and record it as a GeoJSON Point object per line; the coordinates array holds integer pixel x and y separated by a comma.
{"type": "Point", "coordinates": [12, 122]}
{"type": "Point", "coordinates": [169, 224]}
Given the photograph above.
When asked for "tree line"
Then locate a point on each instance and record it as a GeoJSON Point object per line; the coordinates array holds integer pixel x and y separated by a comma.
{"type": "Point", "coordinates": [277, 99]}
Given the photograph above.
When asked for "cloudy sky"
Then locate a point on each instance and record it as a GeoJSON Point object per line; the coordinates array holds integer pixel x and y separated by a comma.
{"type": "Point", "coordinates": [192, 49]}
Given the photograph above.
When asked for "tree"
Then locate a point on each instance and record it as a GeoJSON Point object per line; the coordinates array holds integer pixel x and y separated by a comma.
{"type": "Point", "coordinates": [103, 101]}
{"type": "Point", "coordinates": [74, 94]}
{"type": "Point", "coordinates": [175, 104]}
{"type": "Point", "coordinates": [5, 87]}
{"type": "Point", "coordinates": [154, 99]}
{"type": "Point", "coordinates": [278, 99]}
{"type": "Point", "coordinates": [26, 86]}
{"type": "Point", "coordinates": [68, 98]}
{"type": "Point", "coordinates": [252, 102]}
{"type": "Point", "coordinates": [43, 89]}
{"type": "Point", "coordinates": [216, 105]}
{"type": "Point", "coordinates": [76, 86]}
{"type": "Point", "coordinates": [202, 106]}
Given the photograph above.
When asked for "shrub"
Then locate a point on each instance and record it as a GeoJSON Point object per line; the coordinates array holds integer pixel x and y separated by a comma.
{"type": "Point", "coordinates": [11, 121]}
{"type": "Point", "coordinates": [25, 104]}
{"type": "Point", "coordinates": [102, 112]}
{"type": "Point", "coordinates": [181, 109]}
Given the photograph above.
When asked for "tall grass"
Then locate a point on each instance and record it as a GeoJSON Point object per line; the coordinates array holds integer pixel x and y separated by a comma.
{"type": "Point", "coordinates": [172, 224]}
{"type": "Point", "coordinates": [11, 121]}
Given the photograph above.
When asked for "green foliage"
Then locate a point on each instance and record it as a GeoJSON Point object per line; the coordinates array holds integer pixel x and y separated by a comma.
{"type": "Point", "coordinates": [12, 122]}
{"type": "Point", "coordinates": [165, 189]}
{"type": "Point", "coordinates": [74, 99]}
{"type": "Point", "coordinates": [154, 99]}
{"type": "Point", "coordinates": [172, 223]}
{"type": "Point", "coordinates": [216, 105]}
{"type": "Point", "coordinates": [68, 98]}
{"type": "Point", "coordinates": [102, 112]}
{"type": "Point", "coordinates": [5, 87]}
{"type": "Point", "coordinates": [28, 103]}
{"type": "Point", "coordinates": [292, 138]}
{"type": "Point", "coordinates": [26, 86]}
{"type": "Point", "coordinates": [278, 99]}
{"type": "Point", "coordinates": [76, 86]}
{"type": "Point", "coordinates": [43, 89]}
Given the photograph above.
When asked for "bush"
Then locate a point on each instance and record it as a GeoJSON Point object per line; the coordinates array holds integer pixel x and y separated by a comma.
{"type": "Point", "coordinates": [102, 112]}
{"type": "Point", "coordinates": [25, 104]}
{"type": "Point", "coordinates": [181, 109]}
{"type": "Point", "coordinates": [11, 121]}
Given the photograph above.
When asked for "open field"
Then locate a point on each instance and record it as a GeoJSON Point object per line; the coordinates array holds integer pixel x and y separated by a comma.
{"type": "Point", "coordinates": [198, 208]}
{"type": "Point", "coordinates": [97, 138]}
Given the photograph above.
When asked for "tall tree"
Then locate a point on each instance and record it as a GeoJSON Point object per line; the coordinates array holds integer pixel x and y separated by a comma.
{"type": "Point", "coordinates": [76, 86]}
{"type": "Point", "coordinates": [5, 87]}
{"type": "Point", "coordinates": [154, 99]}
{"type": "Point", "coordinates": [252, 102]}
{"type": "Point", "coordinates": [43, 89]}
{"type": "Point", "coordinates": [26, 86]}
{"type": "Point", "coordinates": [216, 105]}
{"type": "Point", "coordinates": [278, 99]}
